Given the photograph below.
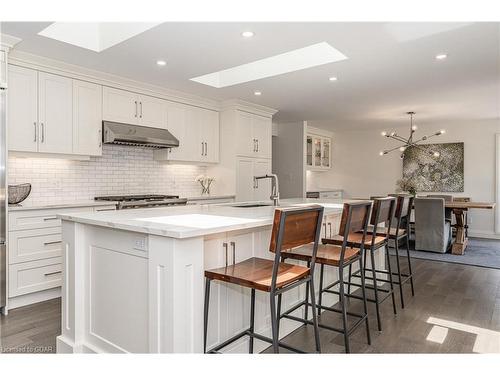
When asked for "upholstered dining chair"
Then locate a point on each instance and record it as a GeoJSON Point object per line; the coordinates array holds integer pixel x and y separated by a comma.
{"type": "Point", "coordinates": [432, 230]}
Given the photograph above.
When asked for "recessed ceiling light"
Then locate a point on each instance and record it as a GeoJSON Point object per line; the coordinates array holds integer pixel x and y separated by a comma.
{"type": "Point", "coordinates": [247, 34]}
{"type": "Point", "coordinates": [257, 93]}
{"type": "Point", "coordinates": [161, 63]}
{"type": "Point", "coordinates": [332, 79]}
{"type": "Point", "coordinates": [291, 61]}
{"type": "Point", "coordinates": [441, 56]}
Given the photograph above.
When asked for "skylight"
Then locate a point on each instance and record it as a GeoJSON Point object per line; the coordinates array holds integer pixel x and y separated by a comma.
{"type": "Point", "coordinates": [302, 58]}
{"type": "Point", "coordinates": [95, 36]}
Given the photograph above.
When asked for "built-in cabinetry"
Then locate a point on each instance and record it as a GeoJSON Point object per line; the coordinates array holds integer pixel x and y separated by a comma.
{"type": "Point", "coordinates": [318, 149]}
{"type": "Point", "coordinates": [34, 253]}
{"type": "Point", "coordinates": [247, 187]}
{"type": "Point", "coordinates": [52, 114]}
{"type": "Point", "coordinates": [255, 134]}
{"type": "Point", "coordinates": [197, 130]}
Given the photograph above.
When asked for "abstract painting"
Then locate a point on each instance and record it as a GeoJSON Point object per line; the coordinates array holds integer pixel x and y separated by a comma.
{"type": "Point", "coordinates": [444, 173]}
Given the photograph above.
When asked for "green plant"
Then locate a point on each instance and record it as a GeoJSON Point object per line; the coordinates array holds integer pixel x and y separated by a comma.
{"type": "Point", "coordinates": [406, 185]}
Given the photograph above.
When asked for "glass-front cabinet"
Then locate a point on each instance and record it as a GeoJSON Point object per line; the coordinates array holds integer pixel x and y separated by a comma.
{"type": "Point", "coordinates": [318, 152]}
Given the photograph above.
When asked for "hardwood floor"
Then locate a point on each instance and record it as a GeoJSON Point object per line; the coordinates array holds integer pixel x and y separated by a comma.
{"type": "Point", "coordinates": [456, 309]}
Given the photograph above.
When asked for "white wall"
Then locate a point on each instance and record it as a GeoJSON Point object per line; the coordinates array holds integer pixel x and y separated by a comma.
{"type": "Point", "coordinates": [120, 170]}
{"type": "Point", "coordinates": [360, 171]}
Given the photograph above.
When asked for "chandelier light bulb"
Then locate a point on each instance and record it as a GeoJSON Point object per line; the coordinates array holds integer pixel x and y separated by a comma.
{"type": "Point", "coordinates": [384, 134]}
{"type": "Point", "coordinates": [442, 131]}
{"type": "Point", "coordinates": [414, 127]}
{"type": "Point", "coordinates": [393, 134]}
{"type": "Point", "coordinates": [402, 148]}
{"type": "Point", "coordinates": [381, 153]}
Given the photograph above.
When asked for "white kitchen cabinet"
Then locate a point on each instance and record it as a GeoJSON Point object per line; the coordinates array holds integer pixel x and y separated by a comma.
{"type": "Point", "coordinates": [87, 118]}
{"type": "Point", "coordinates": [318, 151]}
{"type": "Point", "coordinates": [55, 113]}
{"type": "Point", "coordinates": [254, 134]}
{"type": "Point", "coordinates": [247, 188]}
{"type": "Point", "coordinates": [119, 105]}
{"type": "Point", "coordinates": [132, 108]}
{"type": "Point", "coordinates": [22, 112]}
{"type": "Point", "coordinates": [197, 130]}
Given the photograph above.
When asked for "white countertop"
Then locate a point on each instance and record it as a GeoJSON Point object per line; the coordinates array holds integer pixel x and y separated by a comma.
{"type": "Point", "coordinates": [322, 190]}
{"type": "Point", "coordinates": [194, 220]}
{"type": "Point", "coordinates": [209, 197]}
{"type": "Point", "coordinates": [70, 204]}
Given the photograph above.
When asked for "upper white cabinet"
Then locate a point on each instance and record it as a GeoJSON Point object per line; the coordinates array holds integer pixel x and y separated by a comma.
{"type": "Point", "coordinates": [197, 130]}
{"type": "Point", "coordinates": [87, 118]}
{"type": "Point", "coordinates": [52, 114]}
{"type": "Point", "coordinates": [22, 112]}
{"type": "Point", "coordinates": [132, 108]}
{"type": "Point", "coordinates": [55, 113]}
{"type": "Point", "coordinates": [318, 150]}
{"type": "Point", "coordinates": [254, 134]}
{"type": "Point", "coordinates": [247, 188]}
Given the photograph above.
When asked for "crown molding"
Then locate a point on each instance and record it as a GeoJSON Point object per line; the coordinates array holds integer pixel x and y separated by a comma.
{"type": "Point", "coordinates": [48, 65]}
{"type": "Point", "coordinates": [245, 106]}
{"type": "Point", "coordinates": [8, 41]}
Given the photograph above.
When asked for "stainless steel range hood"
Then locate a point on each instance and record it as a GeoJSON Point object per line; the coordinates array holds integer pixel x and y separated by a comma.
{"type": "Point", "coordinates": [134, 135]}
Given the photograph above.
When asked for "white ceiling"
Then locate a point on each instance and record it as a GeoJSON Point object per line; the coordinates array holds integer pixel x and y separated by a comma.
{"type": "Point", "coordinates": [390, 68]}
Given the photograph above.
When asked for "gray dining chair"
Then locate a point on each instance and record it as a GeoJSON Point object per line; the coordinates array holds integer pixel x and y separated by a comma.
{"type": "Point", "coordinates": [432, 229]}
{"type": "Point", "coordinates": [447, 198]}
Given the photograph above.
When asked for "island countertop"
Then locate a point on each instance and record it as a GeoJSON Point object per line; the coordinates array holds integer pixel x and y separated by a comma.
{"type": "Point", "coordinates": [194, 221]}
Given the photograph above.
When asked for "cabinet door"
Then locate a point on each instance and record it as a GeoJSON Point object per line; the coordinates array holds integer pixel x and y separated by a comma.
{"type": "Point", "coordinates": [55, 113]}
{"type": "Point", "coordinates": [262, 132]}
{"type": "Point", "coordinates": [120, 106]}
{"type": "Point", "coordinates": [263, 187]}
{"type": "Point", "coordinates": [178, 126]}
{"type": "Point", "coordinates": [210, 135]}
{"type": "Point", "coordinates": [87, 118]}
{"type": "Point", "coordinates": [22, 111]}
{"type": "Point", "coordinates": [152, 112]}
{"type": "Point", "coordinates": [246, 143]}
{"type": "Point", "coordinates": [317, 152]}
{"type": "Point", "coordinates": [245, 185]}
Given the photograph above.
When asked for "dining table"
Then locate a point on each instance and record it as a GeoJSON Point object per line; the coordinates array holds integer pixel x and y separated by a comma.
{"type": "Point", "coordinates": [459, 209]}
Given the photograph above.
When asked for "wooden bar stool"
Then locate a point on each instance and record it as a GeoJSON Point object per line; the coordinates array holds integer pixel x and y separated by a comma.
{"type": "Point", "coordinates": [382, 213]}
{"type": "Point", "coordinates": [292, 227]}
{"type": "Point", "coordinates": [354, 218]}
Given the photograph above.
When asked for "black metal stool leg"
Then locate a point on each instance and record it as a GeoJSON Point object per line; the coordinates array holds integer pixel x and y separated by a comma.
{"type": "Point", "coordinates": [205, 314]}
{"type": "Point", "coordinates": [306, 312]}
{"type": "Point", "coordinates": [388, 257]}
{"type": "Point", "coordinates": [349, 280]}
{"type": "Point", "coordinates": [375, 289]}
{"type": "Point", "coordinates": [343, 307]}
{"type": "Point", "coordinates": [315, 318]}
{"type": "Point", "coordinates": [274, 323]}
{"type": "Point", "coordinates": [252, 321]}
{"type": "Point", "coordinates": [396, 246]}
{"type": "Point", "coordinates": [409, 264]}
{"type": "Point", "coordinates": [320, 299]}
{"type": "Point", "coordinates": [279, 313]}
{"type": "Point", "coordinates": [365, 308]}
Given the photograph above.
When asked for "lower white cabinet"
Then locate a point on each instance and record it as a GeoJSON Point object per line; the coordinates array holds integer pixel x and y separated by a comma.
{"type": "Point", "coordinates": [34, 249]}
{"type": "Point", "coordinates": [247, 188]}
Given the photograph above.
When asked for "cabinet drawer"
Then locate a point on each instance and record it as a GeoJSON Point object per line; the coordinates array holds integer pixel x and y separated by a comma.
{"type": "Point", "coordinates": [37, 219]}
{"type": "Point", "coordinates": [30, 277]}
{"type": "Point", "coordinates": [34, 244]}
{"type": "Point", "coordinates": [331, 194]}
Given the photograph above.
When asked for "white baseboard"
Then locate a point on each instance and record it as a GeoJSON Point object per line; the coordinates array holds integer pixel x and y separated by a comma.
{"type": "Point", "coordinates": [28, 299]}
{"type": "Point", "coordinates": [484, 234]}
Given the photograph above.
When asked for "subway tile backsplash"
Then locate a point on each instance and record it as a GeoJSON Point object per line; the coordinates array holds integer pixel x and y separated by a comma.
{"type": "Point", "coordinates": [120, 170]}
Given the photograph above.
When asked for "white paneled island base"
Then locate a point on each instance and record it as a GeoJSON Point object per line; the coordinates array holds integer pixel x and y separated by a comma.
{"type": "Point", "coordinates": [133, 281]}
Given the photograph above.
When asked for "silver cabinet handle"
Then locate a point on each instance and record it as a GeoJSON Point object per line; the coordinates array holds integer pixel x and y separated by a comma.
{"type": "Point", "coordinates": [140, 103]}
{"type": "Point", "coordinates": [50, 218]}
{"type": "Point", "coordinates": [43, 132]}
{"type": "Point", "coordinates": [202, 148]}
{"type": "Point", "coordinates": [224, 246]}
{"type": "Point", "coordinates": [34, 124]}
{"type": "Point", "coordinates": [51, 242]}
{"type": "Point", "coordinates": [52, 273]}
{"type": "Point", "coordinates": [254, 145]}
{"type": "Point", "coordinates": [257, 142]}
{"type": "Point", "coordinates": [105, 209]}
{"type": "Point", "coordinates": [135, 108]}
{"type": "Point", "coordinates": [100, 138]}
{"type": "Point", "coordinates": [233, 246]}
{"type": "Point", "coordinates": [206, 148]}
{"type": "Point", "coordinates": [330, 228]}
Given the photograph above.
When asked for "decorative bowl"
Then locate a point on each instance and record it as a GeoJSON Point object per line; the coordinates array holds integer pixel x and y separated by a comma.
{"type": "Point", "coordinates": [18, 193]}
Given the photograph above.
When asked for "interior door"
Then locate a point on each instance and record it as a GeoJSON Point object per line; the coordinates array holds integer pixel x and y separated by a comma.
{"type": "Point", "coordinates": [87, 118]}
{"type": "Point", "coordinates": [152, 112]}
{"type": "Point", "coordinates": [22, 112]}
{"type": "Point", "coordinates": [245, 186]}
{"type": "Point", "coordinates": [263, 187]}
{"type": "Point", "coordinates": [55, 113]}
{"type": "Point", "coordinates": [120, 106]}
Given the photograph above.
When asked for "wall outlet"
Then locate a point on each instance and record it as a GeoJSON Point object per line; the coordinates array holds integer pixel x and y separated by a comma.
{"type": "Point", "coordinates": [141, 243]}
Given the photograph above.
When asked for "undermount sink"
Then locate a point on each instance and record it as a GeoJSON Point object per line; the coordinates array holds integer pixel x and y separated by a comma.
{"type": "Point", "coordinates": [251, 205]}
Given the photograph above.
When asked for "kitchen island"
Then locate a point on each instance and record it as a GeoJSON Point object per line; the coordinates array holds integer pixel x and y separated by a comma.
{"type": "Point", "coordinates": [133, 280]}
